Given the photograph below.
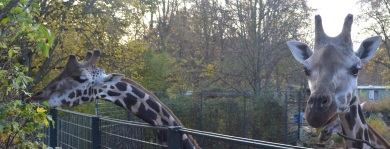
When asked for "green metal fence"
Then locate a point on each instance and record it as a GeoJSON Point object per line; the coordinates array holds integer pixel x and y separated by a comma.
{"type": "Point", "coordinates": [77, 130]}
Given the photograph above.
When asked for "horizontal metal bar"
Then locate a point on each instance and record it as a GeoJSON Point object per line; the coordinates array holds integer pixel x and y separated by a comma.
{"type": "Point", "coordinates": [238, 140]}
{"type": "Point", "coordinates": [68, 123]}
{"type": "Point", "coordinates": [71, 135]}
{"type": "Point", "coordinates": [66, 144]}
{"type": "Point", "coordinates": [142, 125]}
{"type": "Point", "coordinates": [76, 113]}
{"type": "Point", "coordinates": [132, 139]}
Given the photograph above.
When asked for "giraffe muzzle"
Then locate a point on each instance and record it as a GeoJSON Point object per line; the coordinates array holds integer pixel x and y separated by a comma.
{"type": "Point", "coordinates": [35, 97]}
{"type": "Point", "coordinates": [320, 110]}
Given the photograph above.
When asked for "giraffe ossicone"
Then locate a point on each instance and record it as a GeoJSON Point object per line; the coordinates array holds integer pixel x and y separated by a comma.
{"type": "Point", "coordinates": [332, 69]}
{"type": "Point", "coordinates": [82, 82]}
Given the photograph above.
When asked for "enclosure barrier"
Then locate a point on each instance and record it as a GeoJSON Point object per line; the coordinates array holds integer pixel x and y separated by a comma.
{"type": "Point", "coordinates": [78, 130]}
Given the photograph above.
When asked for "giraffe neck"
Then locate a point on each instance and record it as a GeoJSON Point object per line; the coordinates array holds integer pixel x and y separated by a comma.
{"type": "Point", "coordinates": [354, 125]}
{"type": "Point", "coordinates": [145, 105]}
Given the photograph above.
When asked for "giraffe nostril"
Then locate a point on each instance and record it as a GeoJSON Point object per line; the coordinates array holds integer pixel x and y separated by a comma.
{"type": "Point", "coordinates": [324, 131]}
{"type": "Point", "coordinates": [38, 93]}
{"type": "Point", "coordinates": [325, 101]}
{"type": "Point", "coordinates": [37, 96]}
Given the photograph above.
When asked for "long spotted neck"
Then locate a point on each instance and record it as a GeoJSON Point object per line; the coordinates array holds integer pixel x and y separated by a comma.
{"type": "Point", "coordinates": [354, 125]}
{"type": "Point", "coordinates": [145, 105]}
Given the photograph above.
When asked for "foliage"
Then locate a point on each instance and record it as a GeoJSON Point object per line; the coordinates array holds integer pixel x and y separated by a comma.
{"type": "Point", "coordinates": [374, 20]}
{"type": "Point", "coordinates": [381, 106]}
{"type": "Point", "coordinates": [380, 126]}
{"type": "Point", "coordinates": [375, 121]}
{"type": "Point", "coordinates": [20, 123]}
{"type": "Point", "coordinates": [159, 72]}
{"type": "Point", "coordinates": [228, 114]}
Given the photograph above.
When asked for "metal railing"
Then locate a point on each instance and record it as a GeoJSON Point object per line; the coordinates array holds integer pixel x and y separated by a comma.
{"type": "Point", "coordinates": [77, 130]}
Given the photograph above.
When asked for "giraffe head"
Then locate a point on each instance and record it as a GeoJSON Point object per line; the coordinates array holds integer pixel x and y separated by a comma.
{"type": "Point", "coordinates": [79, 82]}
{"type": "Point", "coordinates": [332, 69]}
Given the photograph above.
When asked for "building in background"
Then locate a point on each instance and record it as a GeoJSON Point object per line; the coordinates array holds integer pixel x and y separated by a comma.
{"type": "Point", "coordinates": [374, 92]}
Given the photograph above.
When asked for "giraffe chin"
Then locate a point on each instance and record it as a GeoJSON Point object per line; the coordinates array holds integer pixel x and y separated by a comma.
{"type": "Point", "coordinates": [329, 129]}
{"type": "Point", "coordinates": [27, 100]}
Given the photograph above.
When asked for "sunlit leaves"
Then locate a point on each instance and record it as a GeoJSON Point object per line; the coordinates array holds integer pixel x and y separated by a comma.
{"type": "Point", "coordinates": [20, 25]}
{"type": "Point", "coordinates": [19, 120]}
{"type": "Point", "coordinates": [41, 110]}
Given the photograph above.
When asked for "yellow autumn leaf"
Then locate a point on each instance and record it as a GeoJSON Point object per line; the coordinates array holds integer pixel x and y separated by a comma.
{"type": "Point", "coordinates": [41, 110]}
{"type": "Point", "coordinates": [3, 137]}
{"type": "Point", "coordinates": [46, 122]}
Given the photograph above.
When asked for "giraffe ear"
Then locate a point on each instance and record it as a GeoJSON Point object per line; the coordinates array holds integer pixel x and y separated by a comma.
{"type": "Point", "coordinates": [368, 48]}
{"type": "Point", "coordinates": [300, 50]}
{"type": "Point", "coordinates": [112, 78]}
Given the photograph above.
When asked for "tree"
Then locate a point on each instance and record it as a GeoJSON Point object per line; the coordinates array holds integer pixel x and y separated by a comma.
{"type": "Point", "coordinates": [375, 19]}
{"type": "Point", "coordinates": [260, 30]}
{"type": "Point", "coordinates": [79, 26]}
{"type": "Point", "coordinates": [20, 122]}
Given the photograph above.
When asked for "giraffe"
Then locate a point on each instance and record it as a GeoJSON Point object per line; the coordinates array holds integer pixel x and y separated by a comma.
{"type": "Point", "coordinates": [334, 127]}
{"type": "Point", "coordinates": [332, 69]}
{"type": "Point", "coordinates": [82, 82]}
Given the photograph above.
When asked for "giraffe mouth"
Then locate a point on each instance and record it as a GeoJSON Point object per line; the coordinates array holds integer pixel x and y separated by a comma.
{"type": "Point", "coordinates": [38, 96]}
{"type": "Point", "coordinates": [333, 118]}
{"type": "Point", "coordinates": [325, 133]}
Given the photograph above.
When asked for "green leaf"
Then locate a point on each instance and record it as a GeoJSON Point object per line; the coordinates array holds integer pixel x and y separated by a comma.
{"type": "Point", "coordinates": [45, 103]}
{"type": "Point", "coordinates": [49, 117]}
{"type": "Point", "coordinates": [41, 46]}
{"type": "Point", "coordinates": [1, 126]}
{"type": "Point", "coordinates": [5, 20]}
{"type": "Point", "coordinates": [10, 53]}
{"type": "Point", "coordinates": [2, 45]}
{"type": "Point", "coordinates": [18, 9]}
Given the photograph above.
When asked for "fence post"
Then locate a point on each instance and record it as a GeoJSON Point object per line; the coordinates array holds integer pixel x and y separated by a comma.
{"type": "Point", "coordinates": [286, 101]}
{"type": "Point", "coordinates": [245, 115]}
{"type": "Point", "coordinates": [299, 116]}
{"type": "Point", "coordinates": [95, 132]}
{"type": "Point", "coordinates": [53, 129]}
{"type": "Point", "coordinates": [201, 111]}
{"type": "Point", "coordinates": [174, 137]}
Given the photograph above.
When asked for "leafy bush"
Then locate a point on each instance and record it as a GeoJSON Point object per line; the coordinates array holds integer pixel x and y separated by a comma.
{"type": "Point", "coordinates": [20, 123]}
{"type": "Point", "coordinates": [380, 126]}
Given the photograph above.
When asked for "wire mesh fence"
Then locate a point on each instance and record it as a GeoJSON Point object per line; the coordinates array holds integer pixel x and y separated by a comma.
{"type": "Point", "coordinates": [73, 130]}
{"type": "Point", "coordinates": [78, 130]}
{"type": "Point", "coordinates": [271, 116]}
{"type": "Point", "coordinates": [128, 135]}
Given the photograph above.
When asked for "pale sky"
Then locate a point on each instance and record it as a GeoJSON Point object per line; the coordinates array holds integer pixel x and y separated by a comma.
{"type": "Point", "coordinates": [333, 13]}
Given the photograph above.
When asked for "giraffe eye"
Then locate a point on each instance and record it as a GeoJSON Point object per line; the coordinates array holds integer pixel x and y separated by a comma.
{"type": "Point", "coordinates": [306, 71]}
{"type": "Point", "coordinates": [81, 79]}
{"type": "Point", "coordinates": [355, 71]}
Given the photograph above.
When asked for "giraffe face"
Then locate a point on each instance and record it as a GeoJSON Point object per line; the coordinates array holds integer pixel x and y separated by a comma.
{"type": "Point", "coordinates": [77, 83]}
{"type": "Point", "coordinates": [332, 69]}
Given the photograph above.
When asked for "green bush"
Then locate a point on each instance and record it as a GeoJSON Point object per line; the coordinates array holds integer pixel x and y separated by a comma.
{"type": "Point", "coordinates": [20, 123]}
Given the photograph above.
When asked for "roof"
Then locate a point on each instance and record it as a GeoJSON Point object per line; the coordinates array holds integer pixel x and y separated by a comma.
{"type": "Point", "coordinates": [373, 87]}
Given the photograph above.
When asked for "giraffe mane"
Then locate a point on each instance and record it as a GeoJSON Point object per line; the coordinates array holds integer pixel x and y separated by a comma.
{"type": "Point", "coordinates": [139, 86]}
{"type": "Point", "coordinates": [379, 136]}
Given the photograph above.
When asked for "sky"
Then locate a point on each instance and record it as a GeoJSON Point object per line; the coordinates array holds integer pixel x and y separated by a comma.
{"type": "Point", "coordinates": [333, 13]}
